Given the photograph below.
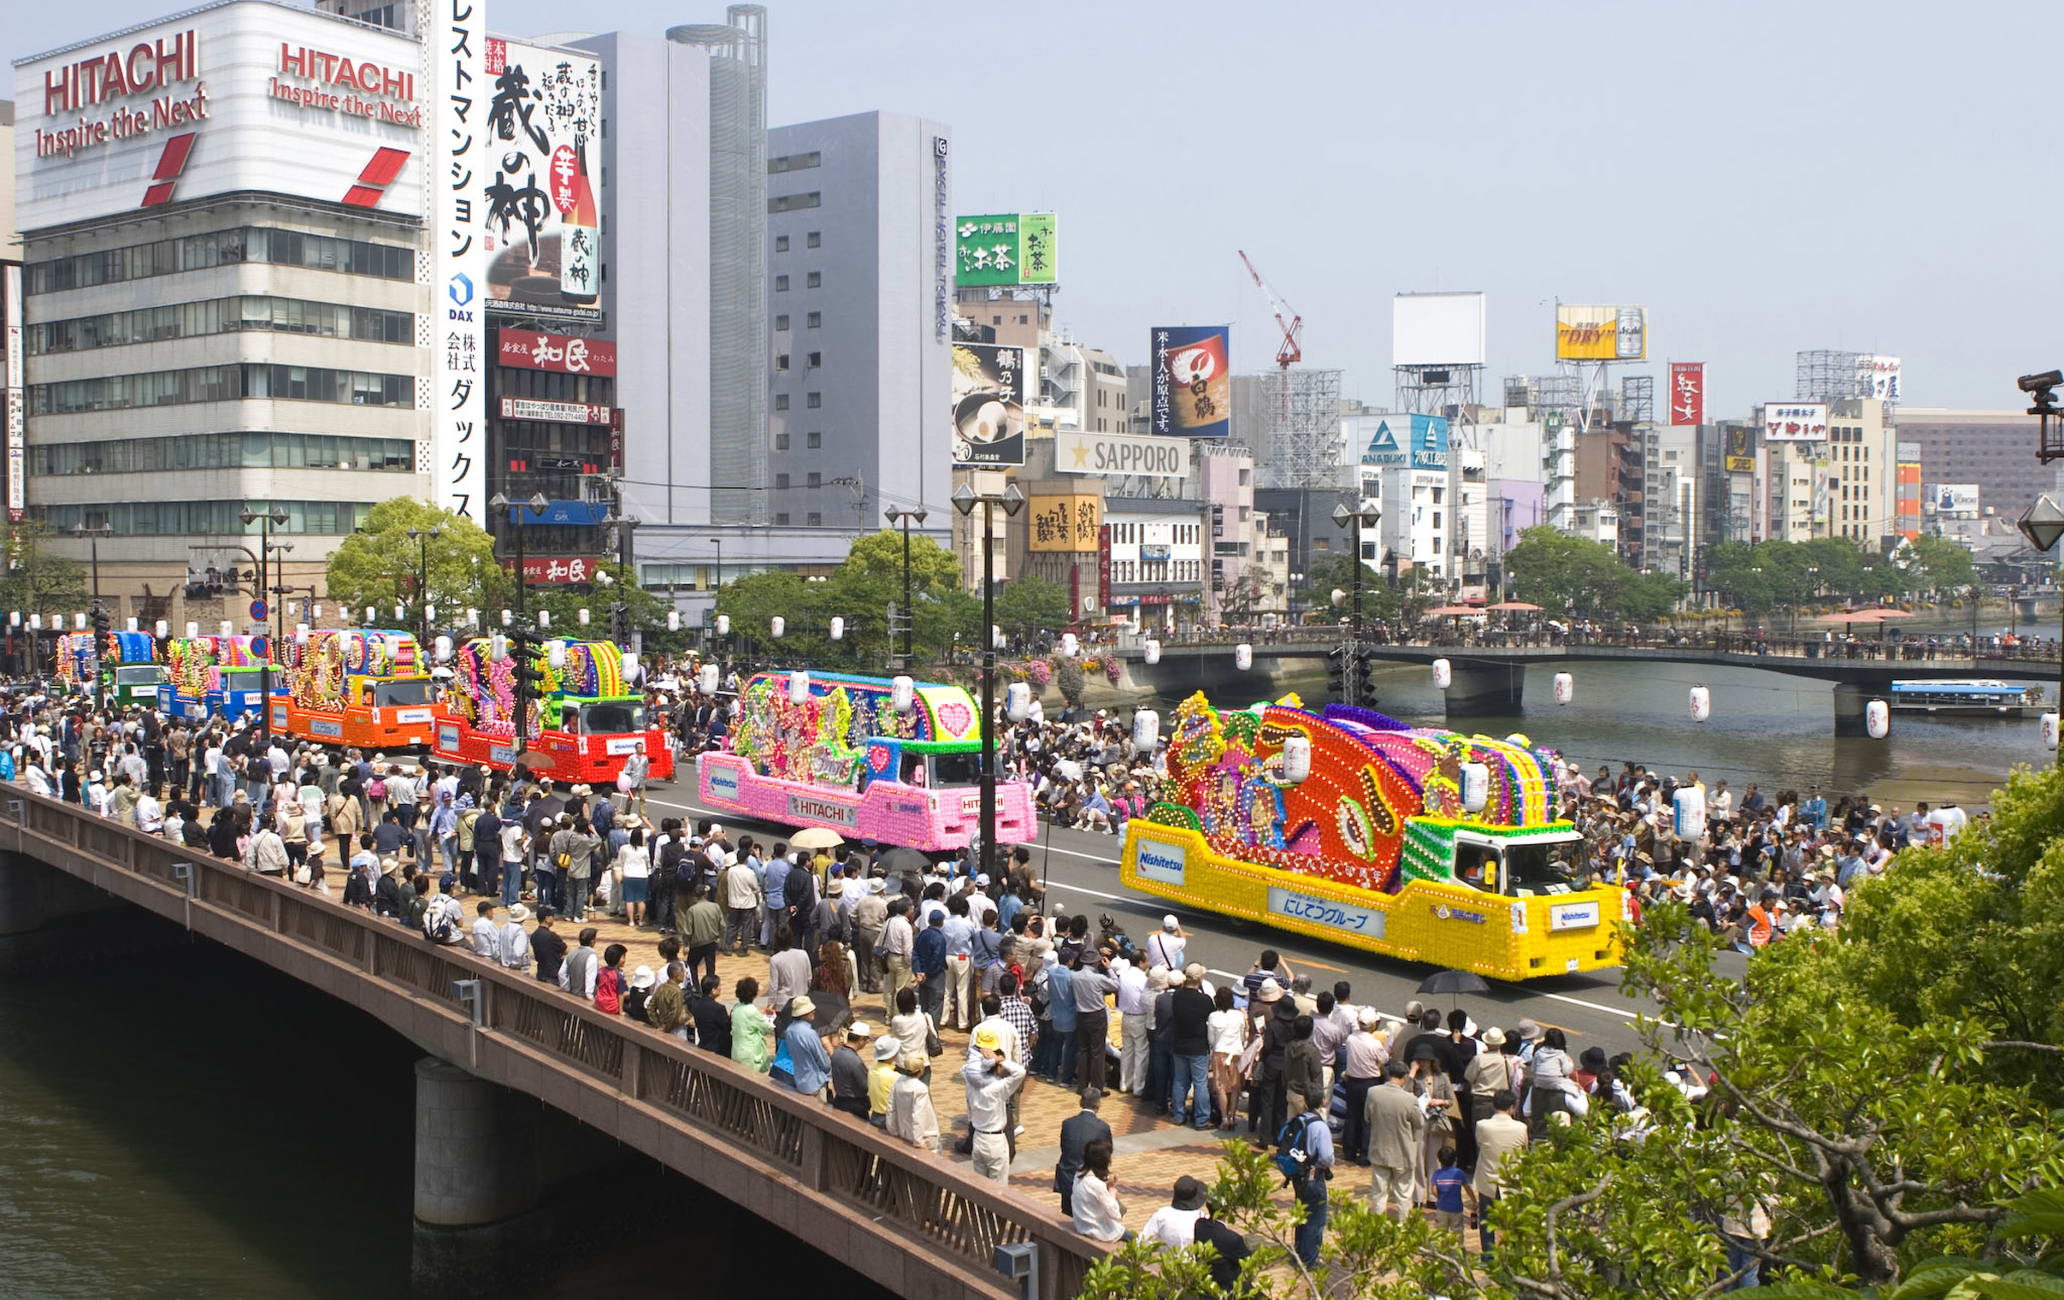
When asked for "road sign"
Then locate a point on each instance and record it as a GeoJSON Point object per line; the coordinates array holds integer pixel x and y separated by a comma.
{"type": "Point", "coordinates": [259, 611]}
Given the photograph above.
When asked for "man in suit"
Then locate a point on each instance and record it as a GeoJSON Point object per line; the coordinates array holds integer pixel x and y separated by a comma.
{"type": "Point", "coordinates": [1396, 1125]}
{"type": "Point", "coordinates": [1498, 1138]}
{"type": "Point", "coordinates": [1077, 1132]}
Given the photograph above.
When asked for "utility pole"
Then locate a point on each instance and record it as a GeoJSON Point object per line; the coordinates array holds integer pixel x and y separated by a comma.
{"type": "Point", "coordinates": [905, 518]}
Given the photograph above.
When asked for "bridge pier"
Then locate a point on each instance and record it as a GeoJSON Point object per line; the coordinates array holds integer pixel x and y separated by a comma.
{"type": "Point", "coordinates": [477, 1185]}
{"type": "Point", "coordinates": [1851, 702]}
{"type": "Point", "coordinates": [42, 913]}
{"type": "Point", "coordinates": [1481, 688]}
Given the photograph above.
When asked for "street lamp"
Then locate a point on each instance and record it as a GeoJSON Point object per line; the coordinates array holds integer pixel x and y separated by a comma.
{"type": "Point", "coordinates": [267, 520]}
{"type": "Point", "coordinates": [537, 505]}
{"type": "Point", "coordinates": [422, 538]}
{"type": "Point", "coordinates": [1363, 514]}
{"type": "Point", "coordinates": [100, 618]}
{"type": "Point", "coordinates": [2042, 525]}
{"type": "Point", "coordinates": [964, 500]}
{"type": "Point", "coordinates": [906, 518]}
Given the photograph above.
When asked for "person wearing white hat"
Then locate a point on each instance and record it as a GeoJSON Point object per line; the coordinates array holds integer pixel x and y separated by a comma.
{"type": "Point", "coordinates": [881, 1079]}
{"type": "Point", "coordinates": [513, 940]}
{"type": "Point", "coordinates": [1166, 946]}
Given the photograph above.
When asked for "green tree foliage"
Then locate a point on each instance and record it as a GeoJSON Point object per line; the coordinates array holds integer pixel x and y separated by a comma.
{"type": "Point", "coordinates": [377, 565]}
{"type": "Point", "coordinates": [1024, 605]}
{"type": "Point", "coordinates": [37, 582]}
{"type": "Point", "coordinates": [1335, 572]}
{"type": "Point", "coordinates": [860, 591]}
{"type": "Point", "coordinates": [1566, 575]}
{"type": "Point", "coordinates": [1646, 597]}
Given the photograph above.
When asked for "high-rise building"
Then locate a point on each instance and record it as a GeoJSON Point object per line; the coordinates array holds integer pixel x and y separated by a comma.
{"type": "Point", "coordinates": [1993, 449]}
{"type": "Point", "coordinates": [860, 358]}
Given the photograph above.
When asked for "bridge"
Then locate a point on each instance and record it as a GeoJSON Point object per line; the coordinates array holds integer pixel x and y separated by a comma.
{"type": "Point", "coordinates": [1489, 678]}
{"type": "Point", "coordinates": [917, 1225]}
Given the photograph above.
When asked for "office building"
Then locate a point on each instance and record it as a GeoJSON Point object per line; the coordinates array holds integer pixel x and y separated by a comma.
{"type": "Point", "coordinates": [1993, 449]}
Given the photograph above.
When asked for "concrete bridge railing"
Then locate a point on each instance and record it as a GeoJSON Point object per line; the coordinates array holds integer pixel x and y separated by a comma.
{"type": "Point", "coordinates": [913, 1222]}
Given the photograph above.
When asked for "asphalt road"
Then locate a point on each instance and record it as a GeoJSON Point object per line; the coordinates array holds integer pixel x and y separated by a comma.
{"type": "Point", "coordinates": [1081, 871]}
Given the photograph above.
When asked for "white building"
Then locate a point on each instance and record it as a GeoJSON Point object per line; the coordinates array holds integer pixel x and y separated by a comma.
{"type": "Point", "coordinates": [1158, 558]}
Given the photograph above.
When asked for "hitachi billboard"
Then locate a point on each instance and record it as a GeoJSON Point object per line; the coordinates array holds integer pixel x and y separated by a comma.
{"type": "Point", "coordinates": [241, 95]}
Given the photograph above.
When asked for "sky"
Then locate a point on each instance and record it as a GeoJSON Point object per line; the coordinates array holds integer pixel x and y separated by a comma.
{"type": "Point", "coordinates": [1765, 176]}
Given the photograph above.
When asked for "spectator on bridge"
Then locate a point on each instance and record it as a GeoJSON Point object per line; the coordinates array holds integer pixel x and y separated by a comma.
{"type": "Point", "coordinates": [752, 1033]}
{"type": "Point", "coordinates": [911, 1116]}
{"type": "Point", "coordinates": [1098, 1214]}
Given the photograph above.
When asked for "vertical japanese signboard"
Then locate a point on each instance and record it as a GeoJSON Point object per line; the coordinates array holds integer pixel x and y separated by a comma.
{"type": "Point", "coordinates": [1193, 380]}
{"type": "Point", "coordinates": [11, 344]}
{"type": "Point", "coordinates": [1687, 392]}
{"type": "Point", "coordinates": [542, 224]}
{"type": "Point", "coordinates": [989, 390]}
{"type": "Point", "coordinates": [455, 35]}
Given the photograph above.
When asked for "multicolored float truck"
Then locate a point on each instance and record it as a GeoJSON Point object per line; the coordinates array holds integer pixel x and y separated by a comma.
{"type": "Point", "coordinates": [584, 723]}
{"type": "Point", "coordinates": [78, 662]}
{"type": "Point", "coordinates": [362, 687]}
{"type": "Point", "coordinates": [129, 671]}
{"type": "Point", "coordinates": [891, 761]}
{"type": "Point", "coordinates": [1352, 827]}
{"type": "Point", "coordinates": [216, 676]}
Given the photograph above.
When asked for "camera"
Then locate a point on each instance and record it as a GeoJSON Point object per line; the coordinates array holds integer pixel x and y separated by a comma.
{"type": "Point", "coordinates": [2038, 383]}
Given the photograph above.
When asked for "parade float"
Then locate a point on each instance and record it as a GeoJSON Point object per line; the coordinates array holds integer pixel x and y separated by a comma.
{"type": "Point", "coordinates": [892, 761]}
{"type": "Point", "coordinates": [1352, 827]}
{"type": "Point", "coordinates": [364, 687]}
{"type": "Point", "coordinates": [216, 676]}
{"type": "Point", "coordinates": [581, 723]}
{"type": "Point", "coordinates": [78, 662]}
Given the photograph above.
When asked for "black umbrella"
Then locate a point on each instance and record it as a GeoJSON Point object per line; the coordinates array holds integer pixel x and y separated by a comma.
{"type": "Point", "coordinates": [905, 858]}
{"type": "Point", "coordinates": [1453, 983]}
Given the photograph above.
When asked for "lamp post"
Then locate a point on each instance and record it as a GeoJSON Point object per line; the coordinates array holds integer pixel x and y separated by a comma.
{"type": "Point", "coordinates": [422, 538]}
{"type": "Point", "coordinates": [537, 504]}
{"type": "Point", "coordinates": [2042, 525]}
{"type": "Point", "coordinates": [965, 500]}
{"type": "Point", "coordinates": [1362, 514]}
{"type": "Point", "coordinates": [267, 520]}
{"type": "Point", "coordinates": [100, 618]}
{"type": "Point", "coordinates": [906, 518]}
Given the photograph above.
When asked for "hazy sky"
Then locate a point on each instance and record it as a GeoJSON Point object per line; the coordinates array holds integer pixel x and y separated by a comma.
{"type": "Point", "coordinates": [1763, 175]}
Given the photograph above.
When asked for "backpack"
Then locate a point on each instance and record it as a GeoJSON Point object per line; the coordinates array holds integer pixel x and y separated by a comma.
{"type": "Point", "coordinates": [376, 790]}
{"type": "Point", "coordinates": [609, 991]}
{"type": "Point", "coordinates": [437, 923]}
{"type": "Point", "coordinates": [1293, 1152]}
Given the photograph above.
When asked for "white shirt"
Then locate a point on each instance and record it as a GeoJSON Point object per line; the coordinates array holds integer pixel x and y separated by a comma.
{"type": "Point", "coordinates": [989, 1087]}
{"type": "Point", "coordinates": [486, 937]}
{"type": "Point", "coordinates": [1165, 949]}
{"type": "Point", "coordinates": [514, 946]}
{"type": "Point", "coordinates": [150, 817]}
{"type": "Point", "coordinates": [1172, 1227]}
{"type": "Point", "coordinates": [1097, 1211]}
{"type": "Point", "coordinates": [1132, 992]}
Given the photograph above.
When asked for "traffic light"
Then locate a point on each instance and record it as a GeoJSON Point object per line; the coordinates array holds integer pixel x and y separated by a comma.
{"type": "Point", "coordinates": [1336, 672]}
{"type": "Point", "coordinates": [101, 622]}
{"type": "Point", "coordinates": [1365, 678]}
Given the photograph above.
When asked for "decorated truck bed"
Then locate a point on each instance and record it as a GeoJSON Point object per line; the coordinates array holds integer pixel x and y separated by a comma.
{"type": "Point", "coordinates": [1352, 827]}
{"type": "Point", "coordinates": [845, 756]}
{"type": "Point", "coordinates": [363, 687]}
{"type": "Point", "coordinates": [585, 721]}
{"type": "Point", "coordinates": [216, 676]}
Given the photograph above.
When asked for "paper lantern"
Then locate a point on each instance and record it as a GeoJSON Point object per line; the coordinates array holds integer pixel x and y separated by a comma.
{"type": "Point", "coordinates": [228, 628]}
{"type": "Point", "coordinates": [631, 671]}
{"type": "Point", "coordinates": [369, 615]}
{"type": "Point", "coordinates": [1146, 730]}
{"type": "Point", "coordinates": [838, 628]}
{"type": "Point", "coordinates": [584, 616]}
{"type": "Point", "coordinates": [36, 625]}
{"type": "Point", "coordinates": [300, 634]}
{"type": "Point", "coordinates": [400, 611]}
{"type": "Point", "coordinates": [14, 618]}
{"type": "Point", "coordinates": [1701, 704]}
{"type": "Point", "coordinates": [1443, 674]}
{"type": "Point", "coordinates": [498, 647]}
{"type": "Point", "coordinates": [1069, 645]}
{"type": "Point", "coordinates": [132, 625]}
{"type": "Point", "coordinates": [2049, 730]}
{"type": "Point", "coordinates": [903, 693]}
{"type": "Point", "coordinates": [79, 622]}
{"type": "Point", "coordinates": [318, 610]}
{"type": "Point", "coordinates": [164, 629]}
{"type": "Point", "coordinates": [798, 685]}
{"type": "Point", "coordinates": [508, 617]}
{"type": "Point", "coordinates": [1877, 719]}
{"type": "Point", "coordinates": [555, 654]}
{"type": "Point", "coordinates": [673, 620]}
{"type": "Point", "coordinates": [429, 613]}
{"type": "Point", "coordinates": [1296, 759]}
{"type": "Point", "coordinates": [995, 637]}
{"type": "Point", "coordinates": [1017, 701]}
{"type": "Point", "coordinates": [1153, 651]}
{"type": "Point", "coordinates": [708, 679]}
{"type": "Point", "coordinates": [544, 618]}
{"type": "Point", "coordinates": [1688, 808]}
{"type": "Point", "coordinates": [443, 647]}
{"type": "Point", "coordinates": [1565, 688]}
{"type": "Point", "coordinates": [777, 625]}
{"type": "Point", "coordinates": [1476, 786]}
{"type": "Point", "coordinates": [1243, 656]}
{"type": "Point", "coordinates": [393, 644]}
{"type": "Point", "coordinates": [193, 629]}
{"type": "Point", "coordinates": [723, 625]}
{"type": "Point", "coordinates": [472, 615]}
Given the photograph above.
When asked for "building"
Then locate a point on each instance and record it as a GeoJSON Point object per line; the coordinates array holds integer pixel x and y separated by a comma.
{"type": "Point", "coordinates": [240, 325]}
{"type": "Point", "coordinates": [1019, 318]}
{"type": "Point", "coordinates": [1225, 490]}
{"type": "Point", "coordinates": [1993, 449]}
{"type": "Point", "coordinates": [862, 401]}
{"type": "Point", "coordinates": [1156, 560]}
{"type": "Point", "coordinates": [10, 242]}
{"type": "Point", "coordinates": [1610, 471]}
{"type": "Point", "coordinates": [1671, 497]}
{"type": "Point", "coordinates": [1863, 473]}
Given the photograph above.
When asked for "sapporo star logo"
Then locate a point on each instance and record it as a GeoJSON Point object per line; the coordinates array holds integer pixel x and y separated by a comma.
{"type": "Point", "coordinates": [1081, 450]}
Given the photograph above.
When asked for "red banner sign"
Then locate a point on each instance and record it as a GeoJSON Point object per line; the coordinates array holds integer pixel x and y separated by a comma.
{"type": "Point", "coordinates": [557, 568]}
{"type": "Point", "coordinates": [557, 352]}
{"type": "Point", "coordinates": [1104, 566]}
{"type": "Point", "coordinates": [1687, 392]}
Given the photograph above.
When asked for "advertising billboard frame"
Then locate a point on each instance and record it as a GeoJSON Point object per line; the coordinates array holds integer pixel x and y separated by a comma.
{"type": "Point", "coordinates": [989, 388]}
{"type": "Point", "coordinates": [1119, 455]}
{"type": "Point", "coordinates": [1795, 422]}
{"type": "Point", "coordinates": [1687, 393]}
{"type": "Point", "coordinates": [1006, 249]}
{"type": "Point", "coordinates": [544, 117]}
{"type": "Point", "coordinates": [1192, 381]}
{"type": "Point", "coordinates": [1600, 333]}
{"type": "Point", "coordinates": [1438, 329]}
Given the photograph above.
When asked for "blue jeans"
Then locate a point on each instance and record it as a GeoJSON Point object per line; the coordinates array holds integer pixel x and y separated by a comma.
{"type": "Point", "coordinates": [1483, 1223]}
{"type": "Point", "coordinates": [1191, 1079]}
{"type": "Point", "coordinates": [448, 846]}
{"type": "Point", "coordinates": [1064, 1063]}
{"type": "Point", "coordinates": [512, 883]}
{"type": "Point", "coordinates": [1740, 1257]}
{"type": "Point", "coordinates": [1313, 1230]}
{"type": "Point", "coordinates": [548, 886]}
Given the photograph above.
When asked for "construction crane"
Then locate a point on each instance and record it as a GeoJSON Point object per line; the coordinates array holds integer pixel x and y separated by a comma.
{"type": "Point", "coordinates": [1287, 318]}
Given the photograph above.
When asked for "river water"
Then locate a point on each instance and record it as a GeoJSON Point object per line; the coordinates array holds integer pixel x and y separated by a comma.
{"type": "Point", "coordinates": [1775, 730]}
{"type": "Point", "coordinates": [193, 1124]}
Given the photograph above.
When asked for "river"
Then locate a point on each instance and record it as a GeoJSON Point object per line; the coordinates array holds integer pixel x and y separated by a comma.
{"type": "Point", "coordinates": [188, 1123]}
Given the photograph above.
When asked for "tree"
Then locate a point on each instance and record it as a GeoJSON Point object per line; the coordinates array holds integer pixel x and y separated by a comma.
{"type": "Point", "coordinates": [1028, 605]}
{"type": "Point", "coordinates": [1935, 565]}
{"type": "Point", "coordinates": [37, 582]}
{"type": "Point", "coordinates": [1335, 572]}
{"type": "Point", "coordinates": [1558, 572]}
{"type": "Point", "coordinates": [1646, 597]}
{"type": "Point", "coordinates": [376, 565]}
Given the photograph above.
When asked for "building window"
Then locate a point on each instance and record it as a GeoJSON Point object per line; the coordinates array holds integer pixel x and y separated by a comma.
{"type": "Point", "coordinates": [816, 360]}
{"type": "Point", "coordinates": [221, 316]}
{"type": "Point", "coordinates": [793, 202]}
{"type": "Point", "coordinates": [221, 384]}
{"type": "Point", "coordinates": [223, 451]}
{"type": "Point", "coordinates": [814, 520]}
{"type": "Point", "coordinates": [814, 280]}
{"type": "Point", "coordinates": [781, 361]}
{"type": "Point", "coordinates": [781, 284]}
{"type": "Point", "coordinates": [813, 239]}
{"type": "Point", "coordinates": [780, 324]}
{"type": "Point", "coordinates": [813, 400]}
{"type": "Point", "coordinates": [814, 319]}
{"type": "Point", "coordinates": [781, 480]}
{"type": "Point", "coordinates": [781, 442]}
{"type": "Point", "coordinates": [1023, 319]}
{"type": "Point", "coordinates": [815, 479]}
{"type": "Point", "coordinates": [197, 518]}
{"type": "Point", "coordinates": [795, 162]}
{"type": "Point", "coordinates": [781, 519]}
{"type": "Point", "coordinates": [813, 440]}
{"type": "Point", "coordinates": [781, 401]}
{"type": "Point", "coordinates": [222, 248]}
{"type": "Point", "coordinates": [781, 243]}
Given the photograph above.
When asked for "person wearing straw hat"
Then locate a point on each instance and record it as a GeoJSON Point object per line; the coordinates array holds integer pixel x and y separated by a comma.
{"type": "Point", "coordinates": [991, 1077]}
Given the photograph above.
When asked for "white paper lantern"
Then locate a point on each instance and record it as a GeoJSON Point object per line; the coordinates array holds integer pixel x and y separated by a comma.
{"type": "Point", "coordinates": [902, 693]}
{"type": "Point", "coordinates": [132, 625]}
{"type": "Point", "coordinates": [400, 611]}
{"type": "Point", "coordinates": [544, 618]}
{"type": "Point", "coordinates": [1153, 651]}
{"type": "Point", "coordinates": [707, 679]}
{"type": "Point", "coordinates": [584, 616]}
{"type": "Point", "coordinates": [36, 624]}
{"type": "Point", "coordinates": [995, 637]}
{"type": "Point", "coordinates": [164, 629]}
{"type": "Point", "coordinates": [393, 643]}
{"type": "Point", "coordinates": [1017, 701]}
{"type": "Point", "coordinates": [1069, 645]}
{"type": "Point", "coordinates": [1565, 688]}
{"type": "Point", "coordinates": [14, 618]}
{"type": "Point", "coordinates": [300, 634]}
{"type": "Point", "coordinates": [193, 629]}
{"type": "Point", "coordinates": [1443, 674]}
{"type": "Point", "coordinates": [1688, 807]}
{"type": "Point", "coordinates": [79, 622]}
{"type": "Point", "coordinates": [1243, 656]}
{"type": "Point", "coordinates": [497, 647]}
{"type": "Point", "coordinates": [723, 625]}
{"type": "Point", "coordinates": [369, 615]}
{"type": "Point", "coordinates": [1476, 786]}
{"type": "Point", "coordinates": [838, 628]}
{"type": "Point", "coordinates": [1877, 719]}
{"type": "Point", "coordinates": [1296, 759]}
{"type": "Point", "coordinates": [673, 620]}
{"type": "Point", "coordinates": [443, 648]}
{"type": "Point", "coordinates": [228, 628]}
{"type": "Point", "coordinates": [2049, 730]}
{"type": "Point", "coordinates": [798, 686]}
{"type": "Point", "coordinates": [1146, 730]}
{"type": "Point", "coordinates": [555, 654]}
{"type": "Point", "coordinates": [631, 671]}
{"type": "Point", "coordinates": [777, 626]}
{"type": "Point", "coordinates": [318, 610]}
{"type": "Point", "coordinates": [1701, 704]}
{"type": "Point", "coordinates": [508, 617]}
{"type": "Point", "coordinates": [429, 613]}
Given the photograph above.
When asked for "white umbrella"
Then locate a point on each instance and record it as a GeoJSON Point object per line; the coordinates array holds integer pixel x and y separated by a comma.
{"type": "Point", "coordinates": [816, 837]}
